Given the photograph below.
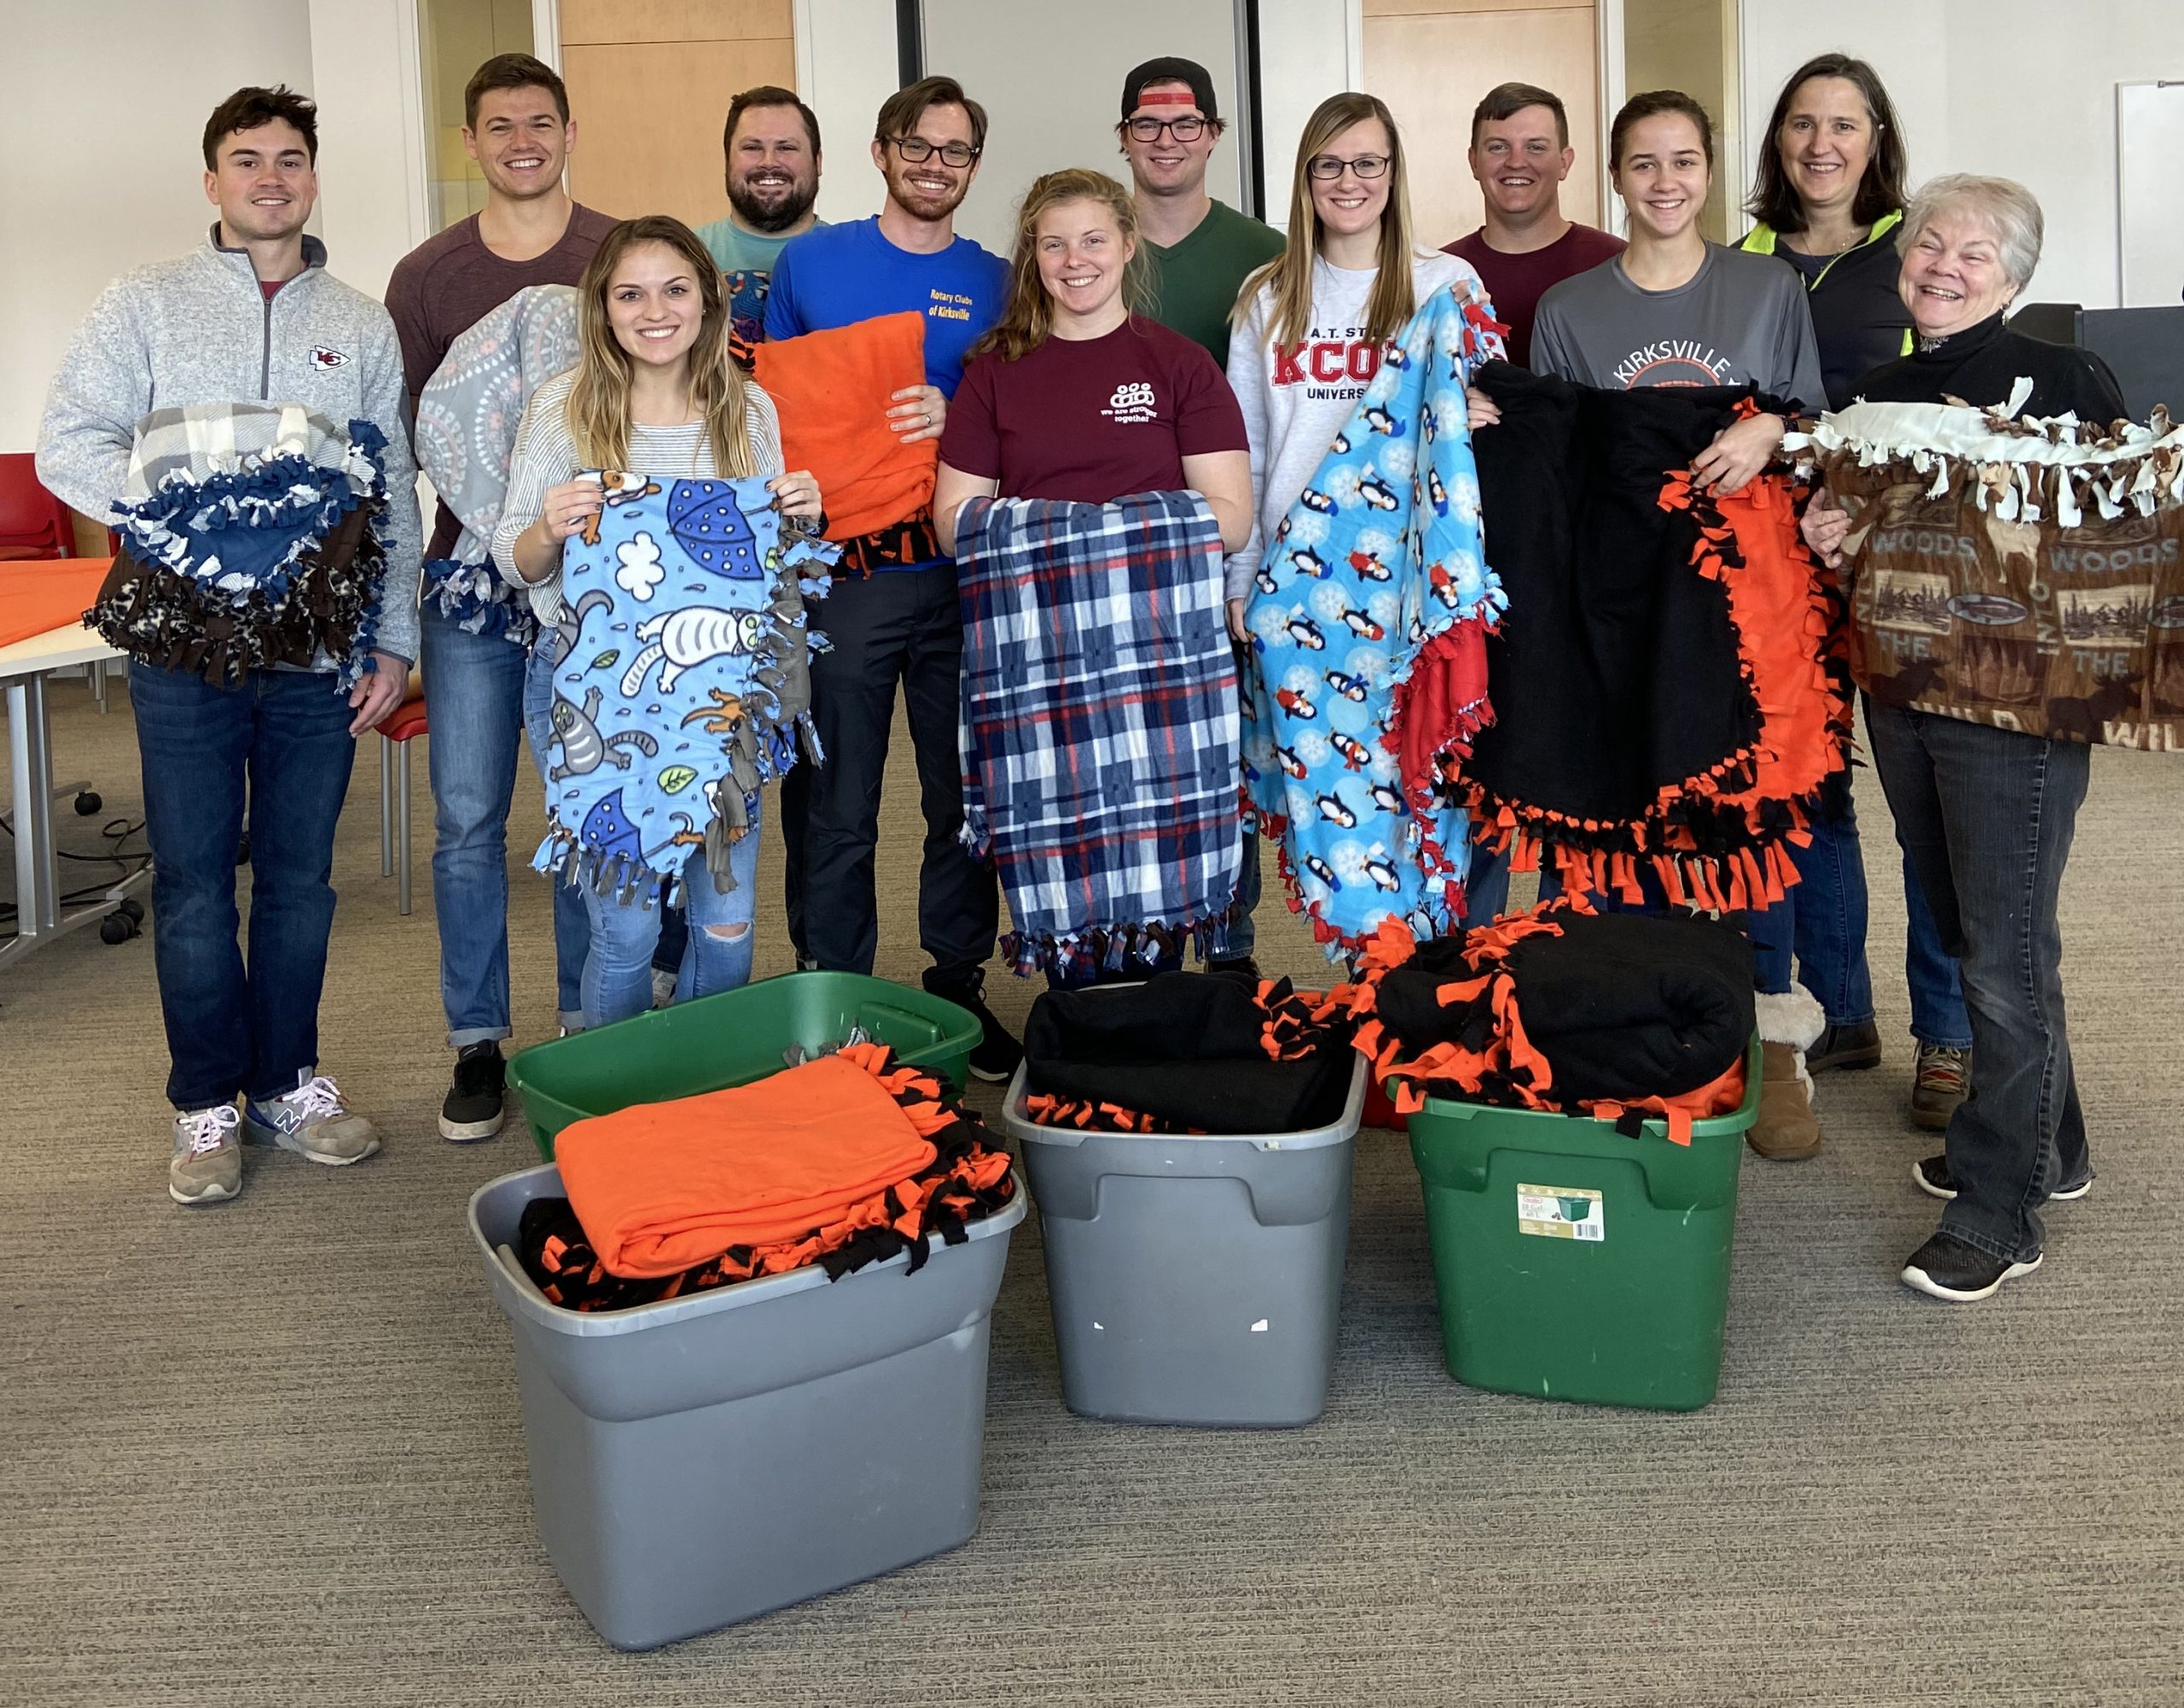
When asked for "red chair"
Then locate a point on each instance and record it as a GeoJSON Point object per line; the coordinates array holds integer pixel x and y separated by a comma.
{"type": "Point", "coordinates": [33, 523]}
{"type": "Point", "coordinates": [404, 725]}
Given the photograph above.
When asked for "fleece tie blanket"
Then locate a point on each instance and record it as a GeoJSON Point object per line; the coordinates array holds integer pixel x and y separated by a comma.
{"type": "Point", "coordinates": [467, 420]}
{"type": "Point", "coordinates": [1367, 628]}
{"type": "Point", "coordinates": [251, 535]}
{"type": "Point", "coordinates": [1099, 724]}
{"type": "Point", "coordinates": [37, 598]}
{"type": "Point", "coordinates": [846, 1160]}
{"type": "Point", "coordinates": [2026, 574]}
{"type": "Point", "coordinates": [1617, 1015]}
{"type": "Point", "coordinates": [685, 683]}
{"type": "Point", "coordinates": [1185, 1053]}
{"type": "Point", "coordinates": [1670, 686]}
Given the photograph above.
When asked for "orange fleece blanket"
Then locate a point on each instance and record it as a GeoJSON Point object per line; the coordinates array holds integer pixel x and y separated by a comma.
{"type": "Point", "coordinates": [36, 597]}
{"type": "Point", "coordinates": [833, 391]}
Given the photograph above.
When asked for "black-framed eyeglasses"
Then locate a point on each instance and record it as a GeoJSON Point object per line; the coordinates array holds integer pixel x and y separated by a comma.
{"type": "Point", "coordinates": [1188, 129]}
{"type": "Point", "coordinates": [916, 150]}
{"type": "Point", "coordinates": [1326, 168]}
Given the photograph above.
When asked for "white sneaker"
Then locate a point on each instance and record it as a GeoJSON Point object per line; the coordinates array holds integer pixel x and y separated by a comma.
{"type": "Point", "coordinates": [313, 1123]}
{"type": "Point", "coordinates": [207, 1166]}
{"type": "Point", "coordinates": [663, 987]}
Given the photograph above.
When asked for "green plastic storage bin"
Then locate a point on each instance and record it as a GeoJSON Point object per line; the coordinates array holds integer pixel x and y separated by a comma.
{"type": "Point", "coordinates": [1574, 1263]}
{"type": "Point", "coordinates": [732, 1039]}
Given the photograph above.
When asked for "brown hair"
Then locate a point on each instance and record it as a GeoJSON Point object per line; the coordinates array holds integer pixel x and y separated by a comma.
{"type": "Point", "coordinates": [1775, 204]}
{"type": "Point", "coordinates": [769, 95]}
{"type": "Point", "coordinates": [1507, 100]}
{"type": "Point", "coordinates": [1027, 317]}
{"type": "Point", "coordinates": [900, 112]}
{"type": "Point", "coordinates": [598, 410]}
{"type": "Point", "coordinates": [513, 71]}
{"type": "Point", "coordinates": [1652, 105]}
{"type": "Point", "coordinates": [248, 109]}
{"type": "Point", "coordinates": [1289, 275]}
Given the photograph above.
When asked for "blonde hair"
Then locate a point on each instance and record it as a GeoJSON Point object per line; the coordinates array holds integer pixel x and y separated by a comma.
{"type": "Point", "coordinates": [1392, 301]}
{"type": "Point", "coordinates": [598, 409]}
{"type": "Point", "coordinates": [1027, 317]}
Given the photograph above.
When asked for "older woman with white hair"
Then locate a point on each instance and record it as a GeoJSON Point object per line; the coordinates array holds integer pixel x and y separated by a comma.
{"type": "Point", "coordinates": [1986, 812]}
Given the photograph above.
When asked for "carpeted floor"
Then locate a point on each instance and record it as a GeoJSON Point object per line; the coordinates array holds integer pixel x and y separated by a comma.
{"type": "Point", "coordinates": [269, 1452]}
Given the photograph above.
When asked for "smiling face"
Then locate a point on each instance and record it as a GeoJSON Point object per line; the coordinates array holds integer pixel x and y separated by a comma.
{"type": "Point", "coordinates": [1663, 176]}
{"type": "Point", "coordinates": [1081, 253]}
{"type": "Point", "coordinates": [654, 306]}
{"type": "Point", "coordinates": [1826, 139]}
{"type": "Point", "coordinates": [930, 189]}
{"type": "Point", "coordinates": [520, 142]}
{"type": "Point", "coordinates": [1520, 162]}
{"type": "Point", "coordinates": [1350, 205]}
{"type": "Point", "coordinates": [1166, 166]}
{"type": "Point", "coordinates": [265, 185]}
{"type": "Point", "coordinates": [1953, 275]}
{"type": "Point", "coordinates": [773, 175]}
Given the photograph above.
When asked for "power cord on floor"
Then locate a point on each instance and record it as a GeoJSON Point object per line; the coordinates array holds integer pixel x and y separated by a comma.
{"type": "Point", "coordinates": [116, 832]}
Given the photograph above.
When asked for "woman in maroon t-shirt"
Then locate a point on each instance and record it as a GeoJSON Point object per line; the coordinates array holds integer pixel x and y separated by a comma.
{"type": "Point", "coordinates": [1070, 396]}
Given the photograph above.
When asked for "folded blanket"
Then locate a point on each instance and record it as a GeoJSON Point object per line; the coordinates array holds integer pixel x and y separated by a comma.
{"type": "Point", "coordinates": [1099, 732]}
{"type": "Point", "coordinates": [1563, 1009]}
{"type": "Point", "coordinates": [1669, 687]}
{"type": "Point", "coordinates": [1185, 1053]}
{"type": "Point", "coordinates": [35, 598]}
{"type": "Point", "coordinates": [1367, 632]}
{"type": "Point", "coordinates": [832, 390]}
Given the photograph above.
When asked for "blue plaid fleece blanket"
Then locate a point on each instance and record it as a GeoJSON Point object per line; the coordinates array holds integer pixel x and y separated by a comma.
{"type": "Point", "coordinates": [1368, 627]}
{"type": "Point", "coordinates": [1100, 726]}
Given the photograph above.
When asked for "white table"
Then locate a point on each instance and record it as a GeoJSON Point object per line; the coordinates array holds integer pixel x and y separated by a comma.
{"type": "Point", "coordinates": [24, 667]}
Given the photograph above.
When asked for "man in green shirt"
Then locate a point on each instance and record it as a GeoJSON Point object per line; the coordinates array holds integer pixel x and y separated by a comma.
{"type": "Point", "coordinates": [1201, 250]}
{"type": "Point", "coordinates": [772, 142]}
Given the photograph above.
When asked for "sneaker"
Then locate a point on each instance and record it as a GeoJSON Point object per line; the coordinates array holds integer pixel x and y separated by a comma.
{"type": "Point", "coordinates": [995, 1056]}
{"type": "Point", "coordinates": [473, 1109]}
{"type": "Point", "coordinates": [1849, 1047]}
{"type": "Point", "coordinates": [1237, 966]}
{"type": "Point", "coordinates": [207, 1166]}
{"type": "Point", "coordinates": [663, 986]}
{"type": "Point", "coordinates": [1942, 1077]}
{"type": "Point", "coordinates": [313, 1123]}
{"type": "Point", "coordinates": [1932, 1174]}
{"type": "Point", "coordinates": [1947, 1267]}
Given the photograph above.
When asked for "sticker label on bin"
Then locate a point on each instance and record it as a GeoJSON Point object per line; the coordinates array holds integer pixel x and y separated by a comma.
{"type": "Point", "coordinates": [1561, 1212]}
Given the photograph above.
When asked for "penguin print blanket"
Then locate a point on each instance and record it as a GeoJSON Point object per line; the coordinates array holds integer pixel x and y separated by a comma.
{"type": "Point", "coordinates": [1368, 629]}
{"type": "Point", "coordinates": [686, 685]}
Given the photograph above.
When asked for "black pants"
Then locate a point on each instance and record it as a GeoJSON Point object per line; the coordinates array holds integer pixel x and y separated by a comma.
{"type": "Point", "coordinates": [895, 625]}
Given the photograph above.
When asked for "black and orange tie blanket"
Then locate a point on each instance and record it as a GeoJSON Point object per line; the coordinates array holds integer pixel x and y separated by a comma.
{"type": "Point", "coordinates": [1668, 681]}
{"type": "Point", "coordinates": [1616, 1015]}
{"type": "Point", "coordinates": [842, 1162]}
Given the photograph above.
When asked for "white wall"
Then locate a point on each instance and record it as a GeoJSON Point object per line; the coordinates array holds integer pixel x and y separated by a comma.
{"type": "Point", "coordinates": [372, 204]}
{"type": "Point", "coordinates": [1309, 49]}
{"type": "Point", "coordinates": [2020, 89]}
{"type": "Point", "coordinates": [846, 66]}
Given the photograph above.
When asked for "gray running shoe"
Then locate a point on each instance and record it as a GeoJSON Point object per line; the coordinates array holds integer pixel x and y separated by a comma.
{"type": "Point", "coordinates": [1939, 1083]}
{"type": "Point", "coordinates": [207, 1166]}
{"type": "Point", "coordinates": [313, 1123]}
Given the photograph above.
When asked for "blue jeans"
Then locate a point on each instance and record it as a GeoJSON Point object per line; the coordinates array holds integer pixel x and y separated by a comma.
{"type": "Point", "coordinates": [283, 737]}
{"type": "Point", "coordinates": [617, 971]}
{"type": "Point", "coordinates": [572, 925]}
{"type": "Point", "coordinates": [475, 688]}
{"type": "Point", "coordinates": [1987, 815]}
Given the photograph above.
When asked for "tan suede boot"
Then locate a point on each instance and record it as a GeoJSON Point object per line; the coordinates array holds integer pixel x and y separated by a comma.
{"type": "Point", "coordinates": [1787, 1129]}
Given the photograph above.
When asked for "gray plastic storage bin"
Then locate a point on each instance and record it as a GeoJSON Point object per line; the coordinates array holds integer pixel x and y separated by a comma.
{"type": "Point", "coordinates": [705, 1460]}
{"type": "Point", "coordinates": [1194, 1280]}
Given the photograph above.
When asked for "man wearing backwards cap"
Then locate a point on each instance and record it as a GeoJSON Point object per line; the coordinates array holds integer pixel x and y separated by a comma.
{"type": "Point", "coordinates": [1201, 252]}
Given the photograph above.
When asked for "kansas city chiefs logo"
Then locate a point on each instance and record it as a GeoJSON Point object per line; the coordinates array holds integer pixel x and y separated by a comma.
{"type": "Point", "coordinates": [321, 357]}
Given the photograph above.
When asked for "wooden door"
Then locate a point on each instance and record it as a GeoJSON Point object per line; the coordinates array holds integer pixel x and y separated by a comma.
{"type": "Point", "coordinates": [1432, 59]}
{"type": "Point", "coordinates": [649, 84]}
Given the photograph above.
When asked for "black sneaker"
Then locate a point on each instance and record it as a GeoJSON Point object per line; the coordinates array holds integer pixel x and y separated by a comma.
{"type": "Point", "coordinates": [472, 1110]}
{"type": "Point", "coordinates": [1947, 1267]}
{"type": "Point", "coordinates": [1845, 1047]}
{"type": "Point", "coordinates": [996, 1055]}
{"type": "Point", "coordinates": [1932, 1174]}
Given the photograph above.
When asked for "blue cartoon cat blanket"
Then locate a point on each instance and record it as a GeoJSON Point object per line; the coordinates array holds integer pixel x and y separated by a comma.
{"type": "Point", "coordinates": [1367, 639]}
{"type": "Point", "coordinates": [686, 683]}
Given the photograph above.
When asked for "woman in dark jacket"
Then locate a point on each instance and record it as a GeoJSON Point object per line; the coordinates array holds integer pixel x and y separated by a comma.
{"type": "Point", "coordinates": [1829, 202]}
{"type": "Point", "coordinates": [1985, 812]}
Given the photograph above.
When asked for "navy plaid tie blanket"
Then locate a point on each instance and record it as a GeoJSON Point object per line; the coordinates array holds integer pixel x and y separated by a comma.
{"type": "Point", "coordinates": [1100, 729]}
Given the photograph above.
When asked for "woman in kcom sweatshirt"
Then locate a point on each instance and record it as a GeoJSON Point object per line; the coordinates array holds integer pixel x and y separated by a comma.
{"type": "Point", "coordinates": [1313, 324]}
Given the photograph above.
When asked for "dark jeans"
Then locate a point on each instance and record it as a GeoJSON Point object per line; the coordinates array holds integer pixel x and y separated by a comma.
{"type": "Point", "coordinates": [1987, 815]}
{"type": "Point", "coordinates": [231, 1026]}
{"type": "Point", "coordinates": [898, 625]}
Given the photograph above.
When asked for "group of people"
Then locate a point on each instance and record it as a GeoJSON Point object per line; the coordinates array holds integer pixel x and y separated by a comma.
{"type": "Point", "coordinates": [1141, 337]}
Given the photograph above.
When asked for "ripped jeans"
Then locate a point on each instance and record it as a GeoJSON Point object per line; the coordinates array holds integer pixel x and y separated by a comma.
{"type": "Point", "coordinates": [716, 957]}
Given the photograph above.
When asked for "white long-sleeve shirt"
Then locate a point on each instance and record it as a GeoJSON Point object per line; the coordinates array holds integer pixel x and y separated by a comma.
{"type": "Point", "coordinates": [1296, 399]}
{"type": "Point", "coordinates": [546, 454]}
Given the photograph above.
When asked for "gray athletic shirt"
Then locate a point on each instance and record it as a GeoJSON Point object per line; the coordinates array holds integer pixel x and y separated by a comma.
{"type": "Point", "coordinates": [1742, 320]}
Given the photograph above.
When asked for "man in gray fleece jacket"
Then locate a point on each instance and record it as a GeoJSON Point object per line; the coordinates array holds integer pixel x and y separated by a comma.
{"type": "Point", "coordinates": [253, 315]}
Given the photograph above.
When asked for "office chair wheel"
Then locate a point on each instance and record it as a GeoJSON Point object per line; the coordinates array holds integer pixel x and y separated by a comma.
{"type": "Point", "coordinates": [89, 802]}
{"type": "Point", "coordinates": [133, 907]}
{"type": "Point", "coordinates": [119, 927]}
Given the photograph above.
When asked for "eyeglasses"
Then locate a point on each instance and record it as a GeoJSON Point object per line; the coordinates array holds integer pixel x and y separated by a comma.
{"type": "Point", "coordinates": [916, 149]}
{"type": "Point", "coordinates": [1326, 168]}
{"type": "Point", "coordinates": [1185, 130]}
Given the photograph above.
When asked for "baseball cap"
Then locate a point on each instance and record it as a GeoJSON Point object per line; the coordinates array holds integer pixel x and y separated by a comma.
{"type": "Point", "coordinates": [1170, 70]}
